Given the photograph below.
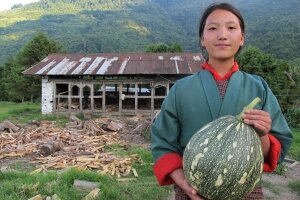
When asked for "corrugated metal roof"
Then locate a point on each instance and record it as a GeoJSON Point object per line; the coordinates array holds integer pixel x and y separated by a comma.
{"type": "Point", "coordinates": [117, 64]}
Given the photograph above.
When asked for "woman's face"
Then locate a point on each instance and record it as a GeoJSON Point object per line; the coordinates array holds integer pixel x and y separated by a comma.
{"type": "Point", "coordinates": [222, 35]}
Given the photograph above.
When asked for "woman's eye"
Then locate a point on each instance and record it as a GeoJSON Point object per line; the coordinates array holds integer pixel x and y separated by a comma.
{"type": "Point", "coordinates": [232, 27]}
{"type": "Point", "coordinates": [212, 28]}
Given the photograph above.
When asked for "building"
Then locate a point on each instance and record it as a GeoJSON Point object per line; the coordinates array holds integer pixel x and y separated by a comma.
{"type": "Point", "coordinates": [114, 83]}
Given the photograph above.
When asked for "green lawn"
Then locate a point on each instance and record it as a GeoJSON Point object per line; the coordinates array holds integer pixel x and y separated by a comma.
{"type": "Point", "coordinates": [19, 112]}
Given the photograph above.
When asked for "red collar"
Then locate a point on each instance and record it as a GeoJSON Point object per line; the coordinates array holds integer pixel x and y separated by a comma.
{"type": "Point", "coordinates": [208, 67]}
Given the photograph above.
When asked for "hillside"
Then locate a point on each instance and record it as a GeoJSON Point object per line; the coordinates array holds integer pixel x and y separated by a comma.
{"type": "Point", "coordinates": [131, 25]}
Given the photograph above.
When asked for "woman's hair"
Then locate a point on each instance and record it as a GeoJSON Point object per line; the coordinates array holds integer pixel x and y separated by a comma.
{"type": "Point", "coordinates": [220, 6]}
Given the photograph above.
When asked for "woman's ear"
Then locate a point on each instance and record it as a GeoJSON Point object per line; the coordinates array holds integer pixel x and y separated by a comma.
{"type": "Point", "coordinates": [201, 43]}
{"type": "Point", "coordinates": [242, 39]}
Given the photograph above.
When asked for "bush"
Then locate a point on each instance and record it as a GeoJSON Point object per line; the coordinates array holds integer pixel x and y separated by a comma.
{"type": "Point", "coordinates": [293, 118]}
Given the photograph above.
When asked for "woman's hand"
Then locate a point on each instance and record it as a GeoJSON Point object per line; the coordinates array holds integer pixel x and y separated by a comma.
{"type": "Point", "coordinates": [179, 178]}
{"type": "Point", "coordinates": [262, 122]}
{"type": "Point", "coordinates": [259, 119]}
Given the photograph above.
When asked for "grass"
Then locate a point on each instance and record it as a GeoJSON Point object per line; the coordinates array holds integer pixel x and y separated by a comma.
{"type": "Point", "coordinates": [295, 185]}
{"type": "Point", "coordinates": [17, 183]}
{"type": "Point", "coordinates": [25, 112]}
{"type": "Point", "coordinates": [19, 112]}
{"type": "Point", "coordinates": [294, 151]}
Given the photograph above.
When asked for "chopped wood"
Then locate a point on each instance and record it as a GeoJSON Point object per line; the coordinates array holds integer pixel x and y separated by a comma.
{"type": "Point", "coordinates": [93, 127]}
{"type": "Point", "coordinates": [87, 115]}
{"type": "Point", "coordinates": [94, 194]}
{"type": "Point", "coordinates": [71, 125]}
{"type": "Point", "coordinates": [37, 197]}
{"type": "Point", "coordinates": [126, 179]}
{"type": "Point", "coordinates": [134, 172]}
{"type": "Point", "coordinates": [59, 148]}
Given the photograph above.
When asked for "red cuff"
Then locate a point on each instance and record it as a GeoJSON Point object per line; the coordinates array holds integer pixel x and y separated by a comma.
{"type": "Point", "coordinates": [164, 166]}
{"type": "Point", "coordinates": [274, 153]}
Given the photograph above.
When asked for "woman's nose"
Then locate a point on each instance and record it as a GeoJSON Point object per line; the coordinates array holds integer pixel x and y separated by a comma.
{"type": "Point", "coordinates": [222, 34]}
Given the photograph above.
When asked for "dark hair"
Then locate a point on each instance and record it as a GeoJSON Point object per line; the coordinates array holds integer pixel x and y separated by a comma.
{"type": "Point", "coordinates": [220, 6]}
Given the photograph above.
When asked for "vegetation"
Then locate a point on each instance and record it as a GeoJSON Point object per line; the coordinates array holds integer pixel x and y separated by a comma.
{"type": "Point", "coordinates": [129, 26]}
{"type": "Point", "coordinates": [284, 82]}
{"type": "Point", "coordinates": [17, 183]}
{"type": "Point", "coordinates": [25, 112]}
{"type": "Point", "coordinates": [19, 112]}
{"type": "Point", "coordinates": [15, 86]}
{"type": "Point", "coordinates": [161, 47]}
{"type": "Point", "coordinates": [295, 185]}
{"type": "Point", "coordinates": [294, 153]}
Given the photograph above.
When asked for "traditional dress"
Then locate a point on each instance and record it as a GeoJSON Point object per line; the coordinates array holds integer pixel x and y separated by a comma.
{"type": "Point", "coordinates": [199, 99]}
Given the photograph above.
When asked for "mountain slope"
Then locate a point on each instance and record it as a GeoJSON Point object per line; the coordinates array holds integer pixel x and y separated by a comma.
{"type": "Point", "coordinates": [131, 25]}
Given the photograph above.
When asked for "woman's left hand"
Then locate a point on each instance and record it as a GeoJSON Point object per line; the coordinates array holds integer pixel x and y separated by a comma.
{"type": "Point", "coordinates": [259, 119]}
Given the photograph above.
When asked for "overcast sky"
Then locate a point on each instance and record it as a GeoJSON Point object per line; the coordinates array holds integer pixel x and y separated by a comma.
{"type": "Point", "coordinates": [7, 4]}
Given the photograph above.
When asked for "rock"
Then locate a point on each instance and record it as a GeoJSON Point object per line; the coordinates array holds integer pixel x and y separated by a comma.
{"type": "Point", "coordinates": [85, 185]}
{"type": "Point", "coordinates": [55, 197]}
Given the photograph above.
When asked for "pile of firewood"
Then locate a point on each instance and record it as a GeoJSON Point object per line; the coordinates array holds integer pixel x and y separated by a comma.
{"type": "Point", "coordinates": [81, 144]}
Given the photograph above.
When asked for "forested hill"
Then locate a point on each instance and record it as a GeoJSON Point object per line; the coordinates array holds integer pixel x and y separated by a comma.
{"type": "Point", "coordinates": [131, 25]}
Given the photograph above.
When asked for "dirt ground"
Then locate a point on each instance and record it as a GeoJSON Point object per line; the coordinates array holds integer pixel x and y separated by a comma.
{"type": "Point", "coordinates": [276, 186]}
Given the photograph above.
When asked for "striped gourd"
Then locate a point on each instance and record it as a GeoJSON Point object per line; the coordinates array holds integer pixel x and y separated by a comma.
{"type": "Point", "coordinates": [224, 159]}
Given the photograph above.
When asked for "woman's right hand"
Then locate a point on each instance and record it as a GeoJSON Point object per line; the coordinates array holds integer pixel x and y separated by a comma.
{"type": "Point", "coordinates": [180, 180]}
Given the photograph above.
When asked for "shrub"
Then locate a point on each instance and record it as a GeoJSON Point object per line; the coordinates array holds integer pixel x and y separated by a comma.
{"type": "Point", "coordinates": [293, 118]}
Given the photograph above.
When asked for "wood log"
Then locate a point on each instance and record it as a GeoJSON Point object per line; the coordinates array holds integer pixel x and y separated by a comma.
{"type": "Point", "coordinates": [73, 118]}
{"type": "Point", "coordinates": [112, 126]}
{"type": "Point", "coordinates": [8, 125]}
{"type": "Point", "coordinates": [49, 148]}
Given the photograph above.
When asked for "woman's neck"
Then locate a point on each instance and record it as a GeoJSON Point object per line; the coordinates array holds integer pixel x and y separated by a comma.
{"type": "Point", "coordinates": [222, 67]}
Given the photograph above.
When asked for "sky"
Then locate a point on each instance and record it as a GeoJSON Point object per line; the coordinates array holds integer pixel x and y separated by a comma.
{"type": "Point", "coordinates": [7, 4]}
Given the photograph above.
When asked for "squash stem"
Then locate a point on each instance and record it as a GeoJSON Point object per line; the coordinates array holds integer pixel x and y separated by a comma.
{"type": "Point", "coordinates": [250, 106]}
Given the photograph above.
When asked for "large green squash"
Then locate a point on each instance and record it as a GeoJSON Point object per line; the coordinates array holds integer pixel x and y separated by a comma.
{"type": "Point", "coordinates": [224, 159]}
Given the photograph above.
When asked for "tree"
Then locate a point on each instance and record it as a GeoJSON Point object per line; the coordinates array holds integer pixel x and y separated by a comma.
{"type": "Point", "coordinates": [274, 71]}
{"type": "Point", "coordinates": [162, 47]}
{"type": "Point", "coordinates": [18, 5]}
{"type": "Point", "coordinates": [12, 82]}
{"type": "Point", "coordinates": [18, 87]}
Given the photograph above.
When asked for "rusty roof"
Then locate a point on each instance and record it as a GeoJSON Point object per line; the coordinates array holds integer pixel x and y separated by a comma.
{"type": "Point", "coordinates": [117, 64]}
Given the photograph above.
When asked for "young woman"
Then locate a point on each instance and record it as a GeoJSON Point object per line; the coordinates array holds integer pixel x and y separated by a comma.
{"type": "Point", "coordinates": [219, 89]}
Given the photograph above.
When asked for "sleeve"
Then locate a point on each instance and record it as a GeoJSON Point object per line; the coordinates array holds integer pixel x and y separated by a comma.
{"type": "Point", "coordinates": [270, 163]}
{"type": "Point", "coordinates": [165, 146]}
{"type": "Point", "coordinates": [164, 166]}
{"type": "Point", "coordinates": [280, 129]}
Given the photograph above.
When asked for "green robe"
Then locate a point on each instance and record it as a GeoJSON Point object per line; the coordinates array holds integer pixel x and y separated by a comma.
{"type": "Point", "coordinates": [195, 101]}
